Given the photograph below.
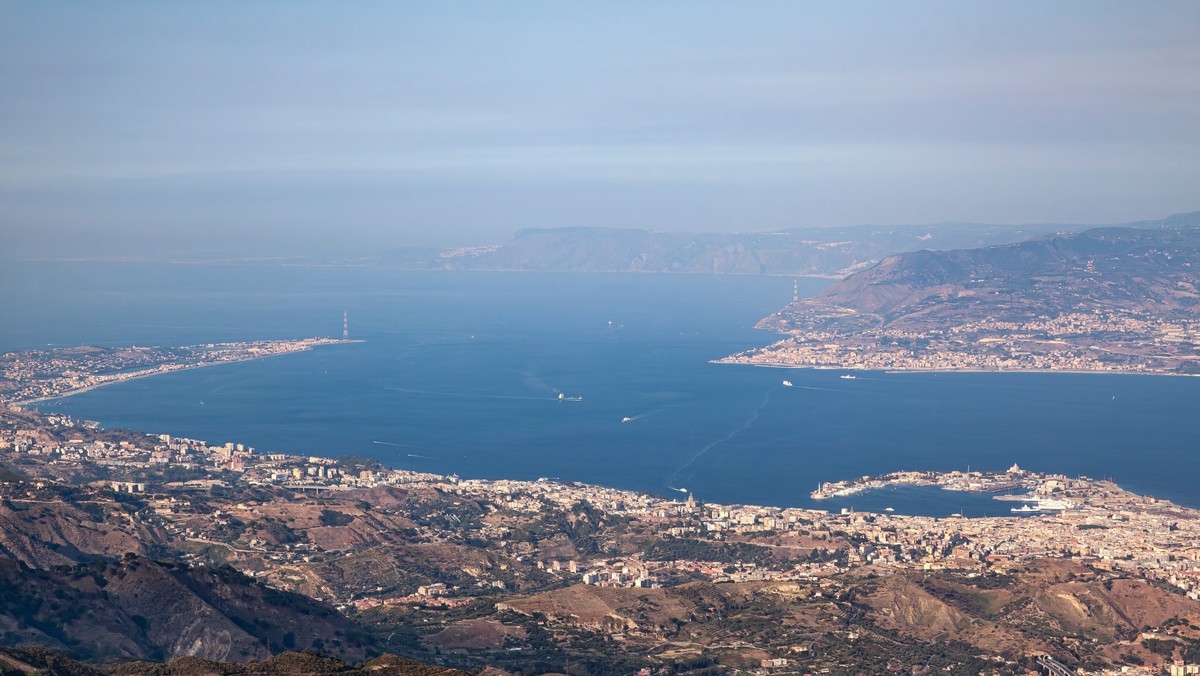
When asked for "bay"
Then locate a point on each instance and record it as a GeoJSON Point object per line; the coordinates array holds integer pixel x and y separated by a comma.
{"type": "Point", "coordinates": [461, 372]}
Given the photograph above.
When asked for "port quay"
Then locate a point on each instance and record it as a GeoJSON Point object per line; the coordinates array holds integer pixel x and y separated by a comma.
{"type": "Point", "coordinates": [1040, 490]}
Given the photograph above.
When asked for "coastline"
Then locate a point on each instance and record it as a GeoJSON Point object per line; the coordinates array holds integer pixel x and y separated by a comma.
{"type": "Point", "coordinates": [32, 402]}
{"type": "Point", "coordinates": [778, 365]}
{"type": "Point", "coordinates": [169, 368]}
{"type": "Point", "coordinates": [300, 346]}
{"type": "Point", "coordinates": [137, 375]}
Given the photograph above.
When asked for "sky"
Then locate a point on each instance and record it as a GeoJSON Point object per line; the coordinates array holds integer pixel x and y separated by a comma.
{"type": "Point", "coordinates": [283, 128]}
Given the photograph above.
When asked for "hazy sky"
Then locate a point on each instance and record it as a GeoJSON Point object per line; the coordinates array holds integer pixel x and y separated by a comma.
{"type": "Point", "coordinates": [300, 126]}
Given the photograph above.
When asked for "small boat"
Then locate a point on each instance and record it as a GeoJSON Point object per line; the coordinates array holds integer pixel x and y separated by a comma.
{"type": "Point", "coordinates": [626, 419]}
{"type": "Point", "coordinates": [848, 377]}
{"type": "Point", "coordinates": [787, 383]}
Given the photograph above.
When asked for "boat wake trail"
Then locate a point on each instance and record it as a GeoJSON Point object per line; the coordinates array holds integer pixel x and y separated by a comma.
{"type": "Point", "coordinates": [465, 395]}
{"type": "Point", "coordinates": [736, 431]}
{"type": "Point", "coordinates": [411, 455]}
{"type": "Point", "coordinates": [640, 416]}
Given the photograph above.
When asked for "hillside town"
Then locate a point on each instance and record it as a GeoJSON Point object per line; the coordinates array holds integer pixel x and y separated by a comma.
{"type": "Point", "coordinates": [1092, 520]}
{"type": "Point", "coordinates": [1101, 342]}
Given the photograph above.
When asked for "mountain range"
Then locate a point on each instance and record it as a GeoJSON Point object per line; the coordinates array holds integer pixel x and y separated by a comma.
{"type": "Point", "coordinates": [822, 252]}
{"type": "Point", "coordinates": [1155, 271]}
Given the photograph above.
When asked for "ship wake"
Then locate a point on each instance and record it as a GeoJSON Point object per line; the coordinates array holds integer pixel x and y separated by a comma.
{"type": "Point", "coordinates": [670, 483]}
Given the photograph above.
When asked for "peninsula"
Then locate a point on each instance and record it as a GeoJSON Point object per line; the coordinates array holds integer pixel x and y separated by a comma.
{"type": "Point", "coordinates": [37, 375]}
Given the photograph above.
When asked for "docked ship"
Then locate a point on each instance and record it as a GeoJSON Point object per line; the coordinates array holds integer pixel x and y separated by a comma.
{"type": "Point", "coordinates": [1042, 506]}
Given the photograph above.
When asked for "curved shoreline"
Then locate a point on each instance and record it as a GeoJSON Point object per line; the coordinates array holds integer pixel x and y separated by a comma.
{"type": "Point", "coordinates": [304, 345]}
{"type": "Point", "coordinates": [139, 375]}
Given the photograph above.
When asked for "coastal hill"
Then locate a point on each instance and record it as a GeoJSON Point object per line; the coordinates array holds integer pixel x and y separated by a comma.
{"type": "Point", "coordinates": [1154, 270]}
{"type": "Point", "coordinates": [1027, 611]}
{"type": "Point", "coordinates": [1112, 299]}
{"type": "Point", "coordinates": [69, 527]}
{"type": "Point", "coordinates": [137, 608]}
{"type": "Point", "coordinates": [823, 252]}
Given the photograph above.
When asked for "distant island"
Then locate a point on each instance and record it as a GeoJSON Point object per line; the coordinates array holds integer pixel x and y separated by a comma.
{"type": "Point", "coordinates": [1106, 300]}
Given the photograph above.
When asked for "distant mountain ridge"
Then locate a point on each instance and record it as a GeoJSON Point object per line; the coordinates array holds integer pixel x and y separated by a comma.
{"type": "Point", "coordinates": [1105, 300]}
{"type": "Point", "coordinates": [821, 252]}
{"type": "Point", "coordinates": [1155, 270]}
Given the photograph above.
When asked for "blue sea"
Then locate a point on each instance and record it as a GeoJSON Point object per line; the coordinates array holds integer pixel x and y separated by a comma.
{"type": "Point", "coordinates": [461, 372]}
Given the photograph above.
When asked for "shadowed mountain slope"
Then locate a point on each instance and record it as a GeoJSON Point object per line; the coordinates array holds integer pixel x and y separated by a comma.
{"type": "Point", "coordinates": [138, 608]}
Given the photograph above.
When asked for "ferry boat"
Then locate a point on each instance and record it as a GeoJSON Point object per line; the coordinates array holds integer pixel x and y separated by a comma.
{"type": "Point", "coordinates": [1046, 505]}
{"type": "Point", "coordinates": [787, 383]}
{"type": "Point", "coordinates": [848, 377]}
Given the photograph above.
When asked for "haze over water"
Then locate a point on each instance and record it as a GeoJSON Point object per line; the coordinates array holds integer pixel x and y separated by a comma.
{"type": "Point", "coordinates": [461, 372]}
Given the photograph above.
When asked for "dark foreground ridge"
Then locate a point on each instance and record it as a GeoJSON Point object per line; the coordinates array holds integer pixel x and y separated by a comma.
{"type": "Point", "coordinates": [43, 661]}
{"type": "Point", "coordinates": [135, 608]}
